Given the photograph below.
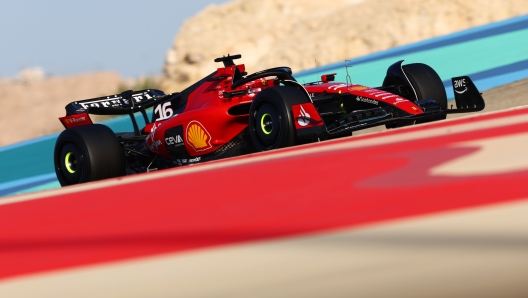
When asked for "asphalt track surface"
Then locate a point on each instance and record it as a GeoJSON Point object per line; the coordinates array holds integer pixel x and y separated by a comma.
{"type": "Point", "coordinates": [492, 55]}
{"type": "Point", "coordinates": [436, 210]}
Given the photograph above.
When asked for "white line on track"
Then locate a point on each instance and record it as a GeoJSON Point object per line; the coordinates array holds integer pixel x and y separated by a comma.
{"type": "Point", "coordinates": [381, 138]}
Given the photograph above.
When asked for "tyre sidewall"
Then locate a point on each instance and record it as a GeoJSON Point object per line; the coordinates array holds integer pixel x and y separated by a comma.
{"type": "Point", "coordinates": [277, 98]}
{"type": "Point", "coordinates": [427, 84]}
{"type": "Point", "coordinates": [99, 154]}
{"type": "Point", "coordinates": [72, 138]}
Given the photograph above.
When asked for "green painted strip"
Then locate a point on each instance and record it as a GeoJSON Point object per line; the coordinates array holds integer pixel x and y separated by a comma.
{"type": "Point", "coordinates": [27, 161]}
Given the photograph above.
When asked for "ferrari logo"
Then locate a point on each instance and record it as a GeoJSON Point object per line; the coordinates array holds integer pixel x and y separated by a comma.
{"type": "Point", "coordinates": [198, 137]}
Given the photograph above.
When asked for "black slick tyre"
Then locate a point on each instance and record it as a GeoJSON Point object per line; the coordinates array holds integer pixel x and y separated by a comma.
{"type": "Point", "coordinates": [88, 153]}
{"type": "Point", "coordinates": [271, 123]}
{"type": "Point", "coordinates": [427, 84]}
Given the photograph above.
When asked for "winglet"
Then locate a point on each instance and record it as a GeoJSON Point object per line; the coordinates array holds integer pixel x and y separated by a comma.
{"type": "Point", "coordinates": [467, 96]}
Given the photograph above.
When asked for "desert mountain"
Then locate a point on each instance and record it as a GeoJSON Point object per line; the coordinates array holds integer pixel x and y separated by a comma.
{"type": "Point", "coordinates": [302, 34]}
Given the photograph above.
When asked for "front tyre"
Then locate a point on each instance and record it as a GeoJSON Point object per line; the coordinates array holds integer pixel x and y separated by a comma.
{"type": "Point", "coordinates": [270, 117]}
{"type": "Point", "coordinates": [427, 84]}
{"type": "Point", "coordinates": [88, 153]}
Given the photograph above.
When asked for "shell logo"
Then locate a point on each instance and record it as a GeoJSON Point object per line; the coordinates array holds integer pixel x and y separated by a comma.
{"type": "Point", "coordinates": [198, 137]}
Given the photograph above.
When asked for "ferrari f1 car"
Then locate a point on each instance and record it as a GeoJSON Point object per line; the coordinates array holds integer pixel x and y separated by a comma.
{"type": "Point", "coordinates": [230, 113]}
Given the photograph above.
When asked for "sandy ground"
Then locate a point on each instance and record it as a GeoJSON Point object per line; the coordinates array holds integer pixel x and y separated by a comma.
{"type": "Point", "coordinates": [507, 96]}
{"type": "Point", "coordinates": [29, 110]}
{"type": "Point", "coordinates": [306, 33]}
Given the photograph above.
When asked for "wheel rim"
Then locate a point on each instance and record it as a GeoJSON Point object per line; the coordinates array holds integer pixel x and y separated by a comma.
{"type": "Point", "coordinates": [266, 123]}
{"type": "Point", "coordinates": [70, 162]}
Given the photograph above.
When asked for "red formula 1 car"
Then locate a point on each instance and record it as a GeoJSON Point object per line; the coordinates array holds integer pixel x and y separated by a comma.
{"type": "Point", "coordinates": [230, 113]}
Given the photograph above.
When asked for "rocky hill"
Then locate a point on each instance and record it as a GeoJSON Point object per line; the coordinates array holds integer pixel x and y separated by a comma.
{"type": "Point", "coordinates": [305, 33]}
{"type": "Point", "coordinates": [31, 104]}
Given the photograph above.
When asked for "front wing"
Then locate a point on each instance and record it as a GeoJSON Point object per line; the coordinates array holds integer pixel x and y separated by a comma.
{"type": "Point", "coordinates": [467, 99]}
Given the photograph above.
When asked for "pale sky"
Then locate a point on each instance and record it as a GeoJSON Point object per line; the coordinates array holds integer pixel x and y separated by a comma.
{"type": "Point", "coordinates": [69, 37]}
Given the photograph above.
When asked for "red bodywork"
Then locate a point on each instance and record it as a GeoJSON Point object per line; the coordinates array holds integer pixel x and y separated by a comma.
{"type": "Point", "coordinates": [207, 125]}
{"type": "Point", "coordinates": [75, 120]}
{"type": "Point", "coordinates": [230, 113]}
{"type": "Point", "coordinates": [214, 112]}
{"type": "Point", "coordinates": [366, 92]}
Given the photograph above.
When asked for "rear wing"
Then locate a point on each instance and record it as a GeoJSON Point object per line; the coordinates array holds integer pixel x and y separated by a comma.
{"type": "Point", "coordinates": [118, 104]}
{"type": "Point", "coordinates": [467, 96]}
{"type": "Point", "coordinates": [124, 103]}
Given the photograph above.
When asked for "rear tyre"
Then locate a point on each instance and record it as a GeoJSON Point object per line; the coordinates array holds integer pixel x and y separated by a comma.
{"type": "Point", "coordinates": [88, 153]}
{"type": "Point", "coordinates": [427, 84]}
{"type": "Point", "coordinates": [270, 117]}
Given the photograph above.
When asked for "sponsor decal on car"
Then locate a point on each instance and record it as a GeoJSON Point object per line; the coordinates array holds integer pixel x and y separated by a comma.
{"type": "Point", "coordinates": [114, 101]}
{"type": "Point", "coordinates": [154, 126]}
{"type": "Point", "coordinates": [154, 146]}
{"type": "Point", "coordinates": [196, 159]}
{"type": "Point", "coordinates": [389, 96]}
{"type": "Point", "coordinates": [176, 141]}
{"type": "Point", "coordinates": [197, 136]}
{"type": "Point", "coordinates": [398, 100]}
{"type": "Point", "coordinates": [357, 88]}
{"type": "Point", "coordinates": [377, 93]}
{"type": "Point", "coordinates": [185, 161]}
{"type": "Point", "coordinates": [139, 97]}
{"type": "Point", "coordinates": [335, 87]}
{"type": "Point", "coordinates": [105, 103]}
{"type": "Point", "coordinates": [75, 120]}
{"type": "Point", "coordinates": [384, 95]}
{"type": "Point", "coordinates": [367, 100]}
{"type": "Point", "coordinates": [306, 116]}
{"type": "Point", "coordinates": [460, 86]}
